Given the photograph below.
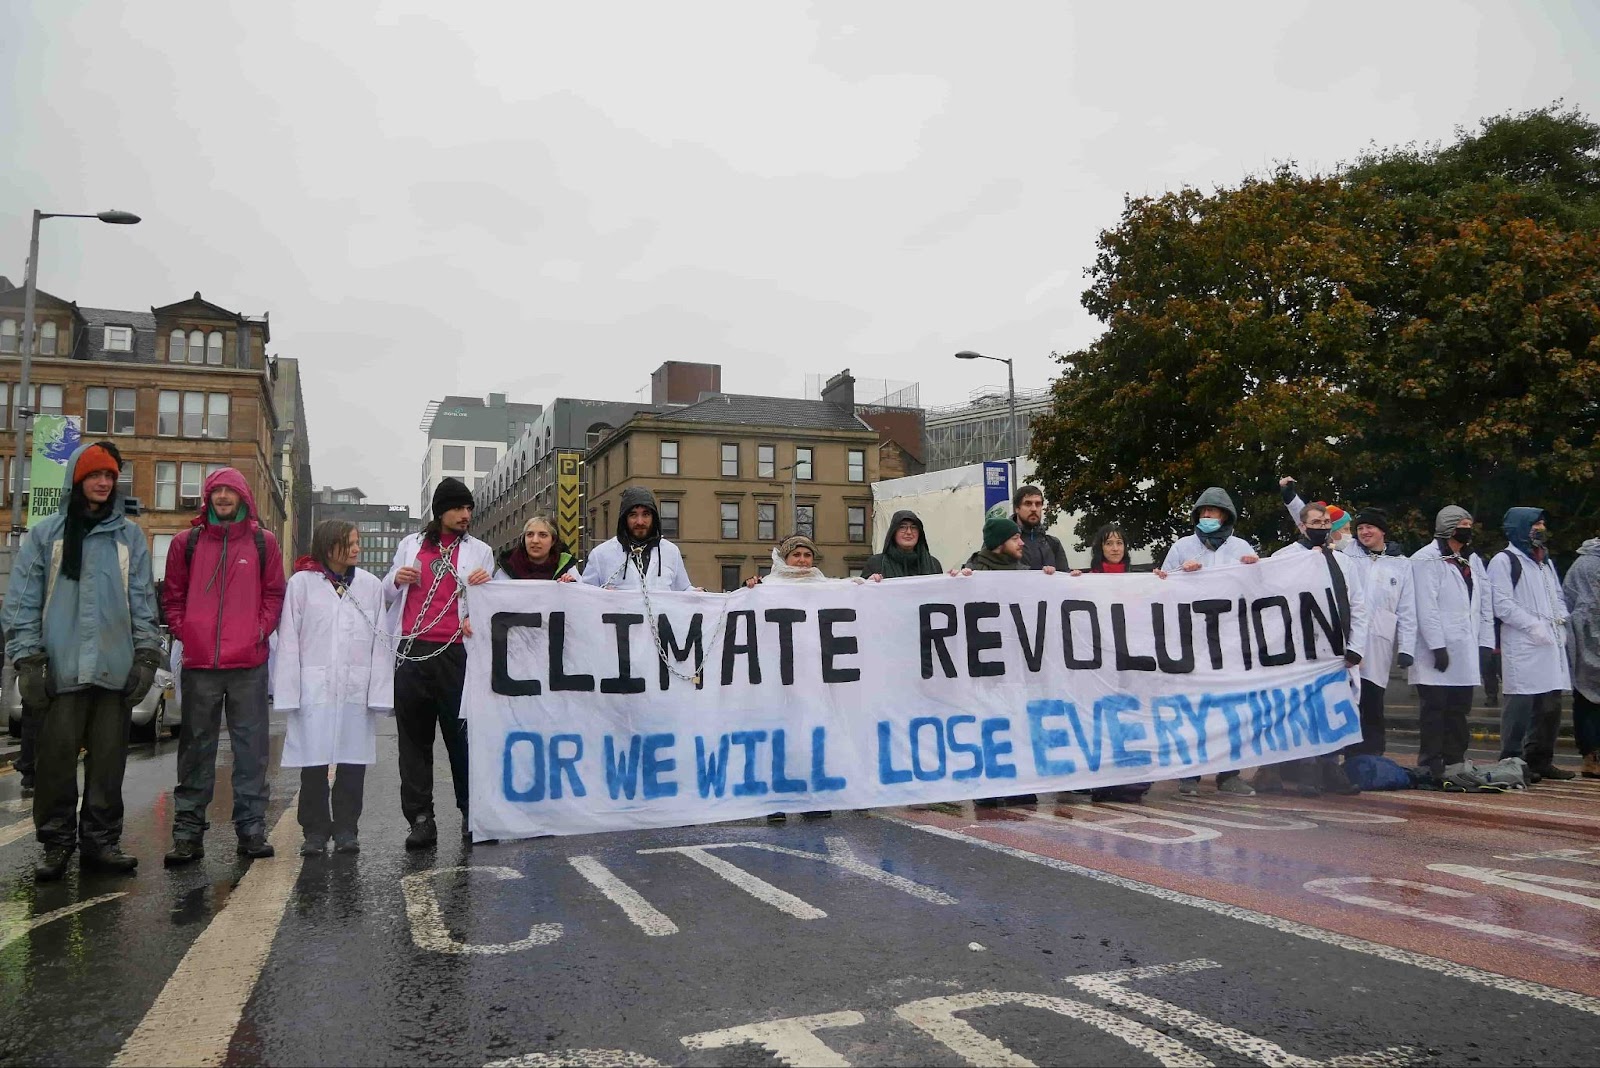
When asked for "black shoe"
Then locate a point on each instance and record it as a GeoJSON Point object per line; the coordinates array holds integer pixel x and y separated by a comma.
{"type": "Point", "coordinates": [184, 851]}
{"type": "Point", "coordinates": [315, 845]}
{"type": "Point", "coordinates": [819, 814]}
{"type": "Point", "coordinates": [988, 802]}
{"type": "Point", "coordinates": [424, 833]}
{"type": "Point", "coordinates": [27, 788]}
{"type": "Point", "coordinates": [53, 865]}
{"type": "Point", "coordinates": [346, 843]}
{"type": "Point", "coordinates": [110, 860]}
{"type": "Point", "coordinates": [1022, 799]}
{"type": "Point", "coordinates": [1534, 777]}
{"type": "Point", "coordinates": [777, 817]}
{"type": "Point", "coordinates": [255, 846]}
{"type": "Point", "coordinates": [1556, 774]}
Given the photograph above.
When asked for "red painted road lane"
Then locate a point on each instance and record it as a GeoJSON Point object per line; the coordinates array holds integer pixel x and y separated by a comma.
{"type": "Point", "coordinates": [1508, 883]}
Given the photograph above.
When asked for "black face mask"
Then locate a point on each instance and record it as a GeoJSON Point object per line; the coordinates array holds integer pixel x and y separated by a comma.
{"type": "Point", "coordinates": [1317, 537]}
{"type": "Point", "coordinates": [1462, 536]}
{"type": "Point", "coordinates": [1536, 538]}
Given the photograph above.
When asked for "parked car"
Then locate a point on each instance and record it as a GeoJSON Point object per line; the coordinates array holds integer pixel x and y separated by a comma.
{"type": "Point", "coordinates": [158, 711]}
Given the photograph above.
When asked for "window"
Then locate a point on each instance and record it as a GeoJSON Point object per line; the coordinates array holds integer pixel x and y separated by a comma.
{"type": "Point", "coordinates": [857, 464]}
{"type": "Point", "coordinates": [730, 520]}
{"type": "Point", "coordinates": [97, 410]}
{"type": "Point", "coordinates": [166, 485]}
{"type": "Point", "coordinates": [455, 457]}
{"type": "Point", "coordinates": [27, 475]}
{"type": "Point", "coordinates": [802, 464]}
{"type": "Point", "coordinates": [669, 457]}
{"type": "Point", "coordinates": [730, 459]}
{"type": "Point", "coordinates": [167, 413]}
{"type": "Point", "coordinates": [214, 348]}
{"type": "Point", "coordinates": [197, 347]}
{"type": "Point", "coordinates": [8, 335]}
{"type": "Point", "coordinates": [5, 404]}
{"type": "Point", "coordinates": [483, 458]}
{"type": "Point", "coordinates": [46, 343]}
{"type": "Point", "coordinates": [626, 465]}
{"type": "Point", "coordinates": [125, 479]}
{"type": "Point", "coordinates": [122, 412]}
{"type": "Point", "coordinates": [217, 416]}
{"type": "Point", "coordinates": [766, 461]}
{"type": "Point", "coordinates": [177, 347]}
{"type": "Point", "coordinates": [767, 522]}
{"type": "Point", "coordinates": [856, 523]}
{"type": "Point", "coordinates": [19, 401]}
{"type": "Point", "coordinates": [189, 487]}
{"type": "Point", "coordinates": [763, 571]}
{"type": "Point", "coordinates": [730, 578]}
{"type": "Point", "coordinates": [669, 519]}
{"type": "Point", "coordinates": [49, 398]}
{"type": "Point", "coordinates": [159, 545]}
{"type": "Point", "coordinates": [805, 520]}
{"type": "Point", "coordinates": [119, 339]}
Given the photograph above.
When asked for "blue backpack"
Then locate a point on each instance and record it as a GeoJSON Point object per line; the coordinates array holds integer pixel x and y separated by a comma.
{"type": "Point", "coordinates": [1376, 773]}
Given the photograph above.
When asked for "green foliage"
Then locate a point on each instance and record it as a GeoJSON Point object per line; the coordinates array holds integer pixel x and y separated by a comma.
{"type": "Point", "coordinates": [1419, 329]}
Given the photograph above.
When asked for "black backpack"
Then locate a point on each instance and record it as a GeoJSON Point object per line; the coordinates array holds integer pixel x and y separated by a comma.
{"type": "Point", "coordinates": [261, 549]}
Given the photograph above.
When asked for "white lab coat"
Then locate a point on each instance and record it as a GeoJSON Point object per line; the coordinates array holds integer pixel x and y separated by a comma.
{"type": "Point", "coordinates": [1449, 618]}
{"type": "Point", "coordinates": [472, 555]}
{"type": "Point", "coordinates": [666, 570]}
{"type": "Point", "coordinates": [333, 672]}
{"type": "Point", "coordinates": [1386, 588]}
{"type": "Point", "coordinates": [1357, 641]}
{"type": "Point", "coordinates": [1192, 548]}
{"type": "Point", "coordinates": [1533, 625]}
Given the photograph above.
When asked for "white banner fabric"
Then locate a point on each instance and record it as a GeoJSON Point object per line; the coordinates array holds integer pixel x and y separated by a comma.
{"type": "Point", "coordinates": [911, 691]}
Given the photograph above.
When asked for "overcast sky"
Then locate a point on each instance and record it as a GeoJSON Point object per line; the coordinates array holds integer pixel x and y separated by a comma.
{"type": "Point", "coordinates": [551, 199]}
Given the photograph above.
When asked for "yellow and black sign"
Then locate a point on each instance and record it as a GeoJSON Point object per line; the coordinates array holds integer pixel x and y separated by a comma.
{"type": "Point", "coordinates": [569, 498]}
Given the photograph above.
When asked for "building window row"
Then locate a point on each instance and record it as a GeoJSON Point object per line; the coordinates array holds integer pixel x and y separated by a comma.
{"type": "Point", "coordinates": [767, 461]}
{"type": "Point", "coordinates": [44, 338]}
{"type": "Point", "coordinates": [109, 411]}
{"type": "Point", "coordinates": [45, 400]}
{"type": "Point", "coordinates": [805, 521]}
{"type": "Point", "coordinates": [191, 414]}
{"type": "Point", "coordinates": [194, 347]}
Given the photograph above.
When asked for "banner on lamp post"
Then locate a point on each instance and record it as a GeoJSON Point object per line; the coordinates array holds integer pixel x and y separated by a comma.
{"type": "Point", "coordinates": [55, 437]}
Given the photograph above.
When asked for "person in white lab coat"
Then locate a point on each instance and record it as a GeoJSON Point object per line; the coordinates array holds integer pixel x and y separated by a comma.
{"type": "Point", "coordinates": [1454, 622]}
{"type": "Point", "coordinates": [1383, 574]}
{"type": "Point", "coordinates": [1532, 610]}
{"type": "Point", "coordinates": [334, 674]}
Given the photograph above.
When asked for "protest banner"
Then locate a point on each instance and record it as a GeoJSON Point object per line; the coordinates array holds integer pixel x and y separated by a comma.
{"type": "Point", "coordinates": [54, 439]}
{"type": "Point", "coordinates": [595, 710]}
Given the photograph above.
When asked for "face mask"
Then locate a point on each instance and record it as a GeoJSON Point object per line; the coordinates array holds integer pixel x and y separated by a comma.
{"type": "Point", "coordinates": [1209, 526]}
{"type": "Point", "coordinates": [1317, 536]}
{"type": "Point", "coordinates": [1536, 538]}
{"type": "Point", "coordinates": [1462, 535]}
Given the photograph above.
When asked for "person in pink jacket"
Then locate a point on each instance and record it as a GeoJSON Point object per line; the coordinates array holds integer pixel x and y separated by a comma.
{"type": "Point", "coordinates": [223, 592]}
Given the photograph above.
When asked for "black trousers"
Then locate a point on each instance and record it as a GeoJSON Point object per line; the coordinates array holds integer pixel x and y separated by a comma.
{"type": "Point", "coordinates": [1442, 716]}
{"type": "Point", "coordinates": [28, 749]}
{"type": "Point", "coordinates": [1374, 736]}
{"type": "Point", "coordinates": [427, 695]}
{"type": "Point", "coordinates": [317, 818]}
{"type": "Point", "coordinates": [97, 721]}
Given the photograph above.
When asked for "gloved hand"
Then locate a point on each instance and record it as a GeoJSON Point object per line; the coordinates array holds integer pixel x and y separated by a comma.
{"type": "Point", "coordinates": [1406, 660]}
{"type": "Point", "coordinates": [1441, 660]}
{"type": "Point", "coordinates": [142, 675]}
{"type": "Point", "coordinates": [1352, 658]}
{"type": "Point", "coordinates": [33, 680]}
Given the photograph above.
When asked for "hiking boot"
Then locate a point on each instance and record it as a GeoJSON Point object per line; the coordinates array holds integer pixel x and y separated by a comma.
{"type": "Point", "coordinates": [1336, 781]}
{"type": "Point", "coordinates": [255, 846]}
{"type": "Point", "coordinates": [109, 860]}
{"type": "Point", "coordinates": [53, 865]}
{"type": "Point", "coordinates": [1556, 773]}
{"type": "Point", "coordinates": [315, 845]}
{"type": "Point", "coordinates": [1188, 787]}
{"type": "Point", "coordinates": [1268, 780]}
{"type": "Point", "coordinates": [1591, 765]}
{"type": "Point", "coordinates": [424, 833]}
{"type": "Point", "coordinates": [1235, 786]}
{"type": "Point", "coordinates": [184, 851]}
{"type": "Point", "coordinates": [346, 843]}
{"type": "Point", "coordinates": [777, 817]}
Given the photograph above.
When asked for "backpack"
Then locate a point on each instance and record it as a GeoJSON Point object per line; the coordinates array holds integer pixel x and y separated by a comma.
{"type": "Point", "coordinates": [1371, 772]}
{"type": "Point", "coordinates": [261, 550]}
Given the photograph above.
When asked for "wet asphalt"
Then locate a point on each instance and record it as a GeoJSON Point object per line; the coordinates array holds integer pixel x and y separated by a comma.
{"type": "Point", "coordinates": [354, 976]}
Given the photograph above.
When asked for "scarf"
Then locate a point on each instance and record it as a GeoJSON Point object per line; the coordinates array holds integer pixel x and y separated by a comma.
{"type": "Point", "coordinates": [897, 563]}
{"type": "Point", "coordinates": [519, 565]}
{"type": "Point", "coordinates": [1462, 563]}
{"type": "Point", "coordinates": [782, 572]}
{"type": "Point", "coordinates": [1106, 567]}
{"type": "Point", "coordinates": [1217, 538]}
{"type": "Point", "coordinates": [340, 582]}
{"type": "Point", "coordinates": [81, 518]}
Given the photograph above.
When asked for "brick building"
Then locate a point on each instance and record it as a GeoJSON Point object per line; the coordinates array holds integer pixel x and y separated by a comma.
{"type": "Point", "coordinates": [382, 526]}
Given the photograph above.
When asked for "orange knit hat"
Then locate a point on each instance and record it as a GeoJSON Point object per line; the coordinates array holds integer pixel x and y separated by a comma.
{"type": "Point", "coordinates": [95, 458]}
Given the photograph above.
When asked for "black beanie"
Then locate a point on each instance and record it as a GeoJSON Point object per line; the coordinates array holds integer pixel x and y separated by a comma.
{"type": "Point", "coordinates": [1373, 517]}
{"type": "Point", "coordinates": [450, 493]}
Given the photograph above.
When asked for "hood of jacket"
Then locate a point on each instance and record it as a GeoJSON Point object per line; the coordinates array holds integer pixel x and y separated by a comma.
{"type": "Point", "coordinates": [1590, 548]}
{"type": "Point", "coordinates": [632, 498]}
{"type": "Point", "coordinates": [231, 478]}
{"type": "Point", "coordinates": [1518, 525]}
{"type": "Point", "coordinates": [903, 516]}
{"type": "Point", "coordinates": [1215, 497]}
{"type": "Point", "coordinates": [115, 500]}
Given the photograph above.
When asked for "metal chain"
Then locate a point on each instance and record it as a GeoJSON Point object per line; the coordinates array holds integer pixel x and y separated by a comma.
{"type": "Point", "coordinates": [441, 567]}
{"type": "Point", "coordinates": [636, 557]}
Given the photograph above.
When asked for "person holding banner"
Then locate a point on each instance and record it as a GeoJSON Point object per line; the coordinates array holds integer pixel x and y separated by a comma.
{"type": "Point", "coordinates": [431, 619]}
{"type": "Point", "coordinates": [1532, 610]}
{"type": "Point", "coordinates": [1040, 551]}
{"type": "Point", "coordinates": [1002, 549]}
{"type": "Point", "coordinates": [905, 551]}
{"type": "Point", "coordinates": [794, 560]}
{"type": "Point", "coordinates": [539, 555]}
{"type": "Point", "coordinates": [80, 620]}
{"type": "Point", "coordinates": [1383, 575]}
{"type": "Point", "coordinates": [1212, 544]}
{"type": "Point", "coordinates": [333, 672]}
{"type": "Point", "coordinates": [638, 557]}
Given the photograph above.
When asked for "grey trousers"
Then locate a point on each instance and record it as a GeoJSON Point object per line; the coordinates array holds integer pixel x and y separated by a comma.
{"type": "Point", "coordinates": [1528, 726]}
{"type": "Point", "coordinates": [96, 720]}
{"type": "Point", "coordinates": [241, 694]}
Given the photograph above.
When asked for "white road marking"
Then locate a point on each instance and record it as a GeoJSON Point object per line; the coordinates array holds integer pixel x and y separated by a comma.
{"type": "Point", "coordinates": [11, 832]}
{"type": "Point", "coordinates": [1115, 826]}
{"type": "Point", "coordinates": [1589, 856]}
{"type": "Point", "coordinates": [579, 1058]}
{"type": "Point", "coordinates": [756, 887]}
{"type": "Point", "coordinates": [194, 1017]}
{"type": "Point", "coordinates": [15, 922]}
{"type": "Point", "coordinates": [1264, 822]}
{"type": "Point", "coordinates": [644, 915]}
{"type": "Point", "coordinates": [841, 855]}
{"type": "Point", "coordinates": [937, 1018]}
{"type": "Point", "coordinates": [17, 804]}
{"type": "Point", "coordinates": [1508, 807]}
{"type": "Point", "coordinates": [1504, 983]}
{"type": "Point", "coordinates": [1321, 815]}
{"type": "Point", "coordinates": [792, 1041]}
{"type": "Point", "coordinates": [1335, 888]}
{"type": "Point", "coordinates": [1527, 882]}
{"type": "Point", "coordinates": [429, 931]}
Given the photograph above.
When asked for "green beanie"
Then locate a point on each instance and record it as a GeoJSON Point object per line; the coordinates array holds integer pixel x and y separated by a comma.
{"type": "Point", "coordinates": [997, 530]}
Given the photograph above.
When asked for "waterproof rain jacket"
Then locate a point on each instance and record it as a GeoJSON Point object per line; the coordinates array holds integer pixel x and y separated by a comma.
{"type": "Point", "coordinates": [1386, 588]}
{"type": "Point", "coordinates": [223, 603]}
{"type": "Point", "coordinates": [89, 628]}
{"type": "Point", "coordinates": [1532, 614]}
{"type": "Point", "coordinates": [1040, 550]}
{"type": "Point", "coordinates": [333, 670]}
{"type": "Point", "coordinates": [1582, 590]}
{"type": "Point", "coordinates": [611, 565]}
{"type": "Point", "coordinates": [1450, 617]}
{"type": "Point", "coordinates": [892, 563]}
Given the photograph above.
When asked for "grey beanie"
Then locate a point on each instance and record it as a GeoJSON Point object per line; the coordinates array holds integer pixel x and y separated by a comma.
{"type": "Point", "coordinates": [1450, 517]}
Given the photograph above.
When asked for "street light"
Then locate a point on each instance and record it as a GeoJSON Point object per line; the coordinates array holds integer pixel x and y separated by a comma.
{"type": "Point", "coordinates": [1011, 392]}
{"type": "Point", "coordinates": [24, 411]}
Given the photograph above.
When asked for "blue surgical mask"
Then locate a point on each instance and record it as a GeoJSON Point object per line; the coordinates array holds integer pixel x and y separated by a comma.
{"type": "Point", "coordinates": [1209, 525]}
